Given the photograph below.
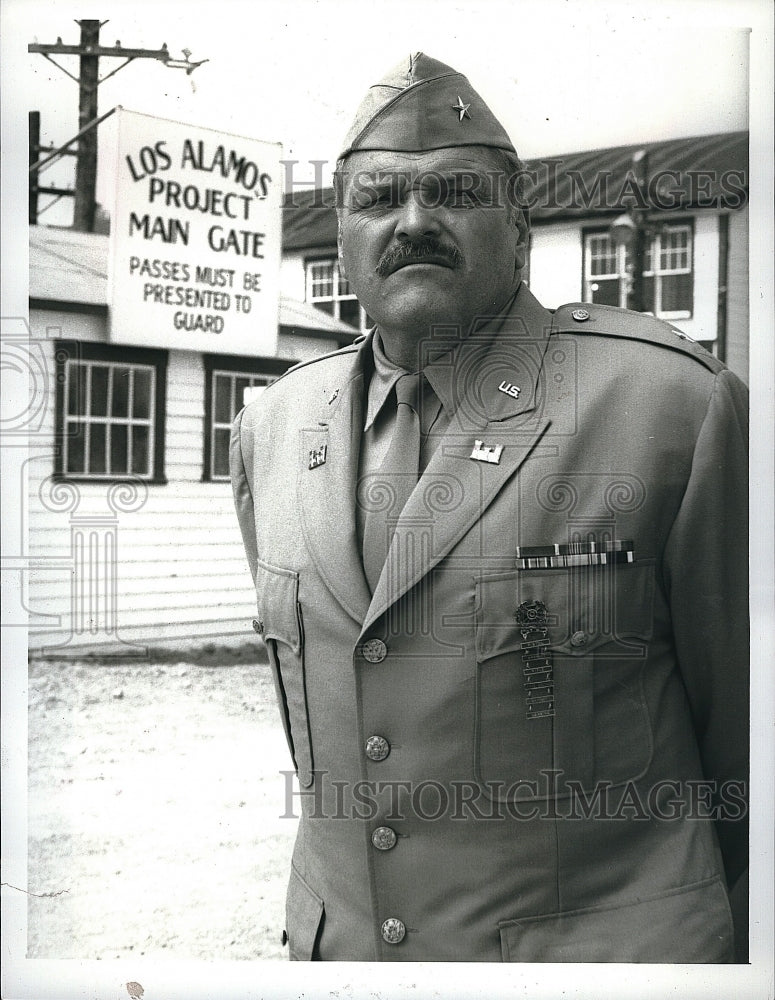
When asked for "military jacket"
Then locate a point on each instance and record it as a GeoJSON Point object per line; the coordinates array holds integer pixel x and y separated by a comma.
{"type": "Point", "coordinates": [529, 744]}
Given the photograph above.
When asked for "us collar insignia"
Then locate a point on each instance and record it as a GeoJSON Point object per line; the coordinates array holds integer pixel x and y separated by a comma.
{"type": "Point", "coordinates": [462, 109]}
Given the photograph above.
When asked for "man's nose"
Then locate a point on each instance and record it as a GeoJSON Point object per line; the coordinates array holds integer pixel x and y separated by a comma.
{"type": "Point", "coordinates": [417, 218]}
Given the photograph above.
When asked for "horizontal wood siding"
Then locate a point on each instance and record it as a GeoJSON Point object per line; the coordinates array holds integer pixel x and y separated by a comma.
{"type": "Point", "coordinates": [171, 570]}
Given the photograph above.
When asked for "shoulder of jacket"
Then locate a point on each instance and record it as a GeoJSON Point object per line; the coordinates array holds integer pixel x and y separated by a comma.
{"type": "Point", "coordinates": [321, 361]}
{"type": "Point", "coordinates": [608, 321]}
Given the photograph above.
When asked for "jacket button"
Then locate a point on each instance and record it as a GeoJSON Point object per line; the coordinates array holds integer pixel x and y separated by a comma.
{"type": "Point", "coordinates": [383, 838]}
{"type": "Point", "coordinates": [377, 748]}
{"type": "Point", "coordinates": [258, 625]}
{"type": "Point", "coordinates": [284, 938]}
{"type": "Point", "coordinates": [374, 650]}
{"type": "Point", "coordinates": [393, 930]}
{"type": "Point", "coordinates": [579, 639]}
{"type": "Point", "coordinates": [580, 315]}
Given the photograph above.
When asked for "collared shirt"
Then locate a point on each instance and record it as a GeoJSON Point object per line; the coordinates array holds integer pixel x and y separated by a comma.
{"type": "Point", "coordinates": [436, 410]}
{"type": "Point", "coordinates": [437, 404]}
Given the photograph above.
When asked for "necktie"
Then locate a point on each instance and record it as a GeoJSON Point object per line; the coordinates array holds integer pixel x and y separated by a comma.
{"type": "Point", "coordinates": [387, 490]}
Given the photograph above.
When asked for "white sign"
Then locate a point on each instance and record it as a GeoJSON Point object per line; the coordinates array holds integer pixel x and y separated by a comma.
{"type": "Point", "coordinates": [195, 239]}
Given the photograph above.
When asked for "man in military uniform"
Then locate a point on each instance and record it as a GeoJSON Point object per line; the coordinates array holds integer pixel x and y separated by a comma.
{"type": "Point", "coordinates": [500, 564]}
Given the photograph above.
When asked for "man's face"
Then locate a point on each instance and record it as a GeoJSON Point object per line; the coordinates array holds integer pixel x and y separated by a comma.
{"type": "Point", "coordinates": [429, 238]}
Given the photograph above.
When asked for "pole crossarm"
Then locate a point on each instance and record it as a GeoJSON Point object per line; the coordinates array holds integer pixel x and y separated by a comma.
{"type": "Point", "coordinates": [58, 48]}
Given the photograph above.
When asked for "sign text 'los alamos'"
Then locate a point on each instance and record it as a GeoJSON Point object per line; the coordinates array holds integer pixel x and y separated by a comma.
{"type": "Point", "coordinates": [195, 238]}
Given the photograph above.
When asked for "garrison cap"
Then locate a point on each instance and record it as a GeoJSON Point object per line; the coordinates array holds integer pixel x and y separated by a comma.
{"type": "Point", "coordinates": [420, 105]}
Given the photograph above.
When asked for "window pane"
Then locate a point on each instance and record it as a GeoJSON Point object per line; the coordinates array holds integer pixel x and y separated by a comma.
{"type": "Point", "coordinates": [119, 457]}
{"type": "Point", "coordinates": [649, 304]}
{"type": "Point", "coordinates": [344, 285]}
{"type": "Point", "coordinates": [605, 291]}
{"type": "Point", "coordinates": [97, 448]}
{"type": "Point", "coordinates": [120, 402]}
{"type": "Point", "coordinates": [325, 307]}
{"type": "Point", "coordinates": [221, 452]}
{"type": "Point", "coordinates": [76, 434]}
{"type": "Point", "coordinates": [602, 255]}
{"type": "Point", "coordinates": [223, 399]}
{"type": "Point", "coordinates": [76, 389]}
{"type": "Point", "coordinates": [99, 390]}
{"type": "Point", "coordinates": [141, 405]}
{"type": "Point", "coordinates": [676, 293]}
{"type": "Point", "coordinates": [350, 312]}
{"type": "Point", "coordinates": [140, 438]}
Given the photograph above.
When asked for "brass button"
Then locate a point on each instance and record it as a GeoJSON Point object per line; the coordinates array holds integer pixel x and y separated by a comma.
{"type": "Point", "coordinates": [374, 650]}
{"type": "Point", "coordinates": [393, 930]}
{"type": "Point", "coordinates": [580, 315]}
{"type": "Point", "coordinates": [384, 838]}
{"type": "Point", "coordinates": [258, 626]}
{"type": "Point", "coordinates": [579, 639]}
{"type": "Point", "coordinates": [377, 748]}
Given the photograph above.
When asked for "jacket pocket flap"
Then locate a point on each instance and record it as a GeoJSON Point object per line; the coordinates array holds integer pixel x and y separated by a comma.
{"type": "Point", "coordinates": [303, 913]}
{"type": "Point", "coordinates": [644, 931]}
{"type": "Point", "coordinates": [277, 592]}
{"type": "Point", "coordinates": [586, 608]}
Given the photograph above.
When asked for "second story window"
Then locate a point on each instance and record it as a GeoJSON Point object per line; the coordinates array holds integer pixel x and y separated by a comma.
{"type": "Point", "coordinates": [329, 290]}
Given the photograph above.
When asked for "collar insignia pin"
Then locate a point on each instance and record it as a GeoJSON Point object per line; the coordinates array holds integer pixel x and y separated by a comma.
{"type": "Point", "coordinates": [317, 456]}
{"type": "Point", "coordinates": [487, 452]}
{"type": "Point", "coordinates": [462, 109]}
{"type": "Point", "coordinates": [510, 389]}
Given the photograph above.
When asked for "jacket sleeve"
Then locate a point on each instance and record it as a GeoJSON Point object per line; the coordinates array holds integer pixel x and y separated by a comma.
{"type": "Point", "coordinates": [243, 495]}
{"type": "Point", "coordinates": [706, 575]}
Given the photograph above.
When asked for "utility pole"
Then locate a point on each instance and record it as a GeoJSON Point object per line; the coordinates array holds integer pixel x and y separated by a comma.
{"type": "Point", "coordinates": [86, 164]}
{"type": "Point", "coordinates": [34, 153]}
{"type": "Point", "coordinates": [89, 50]}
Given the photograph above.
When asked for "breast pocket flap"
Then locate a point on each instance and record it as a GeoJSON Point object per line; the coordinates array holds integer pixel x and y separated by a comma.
{"type": "Point", "coordinates": [277, 596]}
{"type": "Point", "coordinates": [585, 610]}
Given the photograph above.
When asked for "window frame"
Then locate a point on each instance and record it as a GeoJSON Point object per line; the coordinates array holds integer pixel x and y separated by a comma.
{"type": "Point", "coordinates": [84, 351]}
{"type": "Point", "coordinates": [654, 246]}
{"type": "Point", "coordinates": [363, 320]}
{"type": "Point", "coordinates": [246, 366]}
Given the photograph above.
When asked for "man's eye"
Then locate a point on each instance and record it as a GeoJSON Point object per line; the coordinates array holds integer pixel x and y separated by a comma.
{"type": "Point", "coordinates": [461, 196]}
{"type": "Point", "coordinates": [376, 198]}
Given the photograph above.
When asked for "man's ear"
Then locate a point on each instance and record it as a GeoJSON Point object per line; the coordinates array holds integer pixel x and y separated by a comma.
{"type": "Point", "coordinates": [522, 222]}
{"type": "Point", "coordinates": [339, 251]}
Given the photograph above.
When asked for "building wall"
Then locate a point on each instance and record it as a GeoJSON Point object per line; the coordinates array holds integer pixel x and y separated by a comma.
{"type": "Point", "coordinates": [292, 278]}
{"type": "Point", "coordinates": [555, 263]}
{"type": "Point", "coordinates": [169, 561]}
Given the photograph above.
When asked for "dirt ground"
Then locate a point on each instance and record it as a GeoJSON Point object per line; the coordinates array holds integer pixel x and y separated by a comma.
{"type": "Point", "coordinates": [156, 811]}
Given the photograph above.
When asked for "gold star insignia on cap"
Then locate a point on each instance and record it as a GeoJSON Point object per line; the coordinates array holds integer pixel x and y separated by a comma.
{"type": "Point", "coordinates": [461, 108]}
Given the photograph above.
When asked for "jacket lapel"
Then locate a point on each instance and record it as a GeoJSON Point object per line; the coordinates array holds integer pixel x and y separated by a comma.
{"type": "Point", "coordinates": [326, 493]}
{"type": "Point", "coordinates": [456, 488]}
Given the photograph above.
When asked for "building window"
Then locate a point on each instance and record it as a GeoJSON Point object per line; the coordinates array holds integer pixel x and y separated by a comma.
{"type": "Point", "coordinates": [668, 281]}
{"type": "Point", "coordinates": [230, 383]}
{"type": "Point", "coordinates": [329, 290]}
{"type": "Point", "coordinates": [110, 411]}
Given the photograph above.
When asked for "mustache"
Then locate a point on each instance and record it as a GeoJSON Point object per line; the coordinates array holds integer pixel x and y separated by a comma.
{"type": "Point", "coordinates": [417, 250]}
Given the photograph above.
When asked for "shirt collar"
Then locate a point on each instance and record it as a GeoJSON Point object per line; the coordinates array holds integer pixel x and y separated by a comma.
{"type": "Point", "coordinates": [438, 371]}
